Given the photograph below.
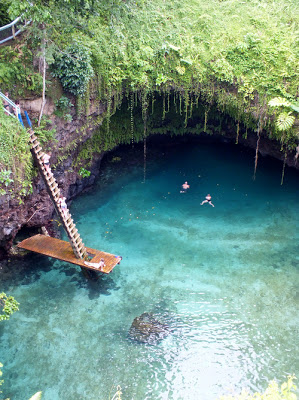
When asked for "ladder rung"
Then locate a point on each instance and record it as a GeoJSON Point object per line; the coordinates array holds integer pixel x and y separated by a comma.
{"type": "Point", "coordinates": [81, 247]}
{"type": "Point", "coordinates": [73, 230]}
{"type": "Point", "coordinates": [77, 241]}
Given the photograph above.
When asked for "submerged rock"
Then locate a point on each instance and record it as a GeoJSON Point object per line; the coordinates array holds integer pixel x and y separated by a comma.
{"type": "Point", "coordinates": [147, 329]}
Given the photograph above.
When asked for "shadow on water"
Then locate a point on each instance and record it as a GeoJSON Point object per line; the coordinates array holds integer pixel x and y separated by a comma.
{"type": "Point", "coordinates": [102, 285]}
{"type": "Point", "coordinates": [26, 269]}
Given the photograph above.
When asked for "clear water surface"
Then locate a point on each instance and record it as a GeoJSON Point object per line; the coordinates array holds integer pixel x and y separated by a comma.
{"type": "Point", "coordinates": [224, 279]}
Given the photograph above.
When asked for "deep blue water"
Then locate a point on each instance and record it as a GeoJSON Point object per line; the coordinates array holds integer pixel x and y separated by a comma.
{"type": "Point", "coordinates": [224, 279]}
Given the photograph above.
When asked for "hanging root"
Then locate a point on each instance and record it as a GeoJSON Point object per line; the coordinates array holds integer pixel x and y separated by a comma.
{"type": "Point", "coordinates": [144, 159]}
{"type": "Point", "coordinates": [283, 168]}
{"type": "Point", "coordinates": [132, 117]}
{"type": "Point", "coordinates": [257, 149]}
{"type": "Point", "coordinates": [238, 131]}
{"type": "Point", "coordinates": [206, 119]}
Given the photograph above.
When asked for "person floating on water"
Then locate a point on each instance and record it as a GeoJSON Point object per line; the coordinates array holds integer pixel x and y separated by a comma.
{"type": "Point", "coordinates": [185, 187]}
{"type": "Point", "coordinates": [207, 200]}
{"type": "Point", "coordinates": [100, 265]}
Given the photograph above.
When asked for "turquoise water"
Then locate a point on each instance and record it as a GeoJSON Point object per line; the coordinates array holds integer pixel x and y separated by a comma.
{"type": "Point", "coordinates": [224, 279]}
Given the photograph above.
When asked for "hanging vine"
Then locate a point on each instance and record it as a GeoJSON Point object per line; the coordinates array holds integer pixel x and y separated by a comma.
{"type": "Point", "coordinates": [163, 108]}
{"type": "Point", "coordinates": [284, 165]}
{"type": "Point", "coordinates": [238, 130]}
{"type": "Point", "coordinates": [109, 100]}
{"type": "Point", "coordinates": [132, 116]}
{"type": "Point", "coordinates": [257, 146]}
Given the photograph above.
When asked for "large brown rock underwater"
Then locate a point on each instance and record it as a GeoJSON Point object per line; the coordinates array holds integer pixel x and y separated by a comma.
{"type": "Point", "coordinates": [147, 329]}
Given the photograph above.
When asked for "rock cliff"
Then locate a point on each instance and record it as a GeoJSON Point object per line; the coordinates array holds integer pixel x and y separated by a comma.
{"type": "Point", "coordinates": [37, 210]}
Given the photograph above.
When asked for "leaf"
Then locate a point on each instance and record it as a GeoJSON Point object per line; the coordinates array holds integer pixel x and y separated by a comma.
{"type": "Point", "coordinates": [186, 61]}
{"type": "Point", "coordinates": [285, 121]}
{"type": "Point", "coordinates": [279, 102]}
{"type": "Point", "coordinates": [295, 108]}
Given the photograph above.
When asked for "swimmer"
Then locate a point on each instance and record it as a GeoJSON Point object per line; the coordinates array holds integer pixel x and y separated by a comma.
{"type": "Point", "coordinates": [185, 186]}
{"type": "Point", "coordinates": [207, 200]}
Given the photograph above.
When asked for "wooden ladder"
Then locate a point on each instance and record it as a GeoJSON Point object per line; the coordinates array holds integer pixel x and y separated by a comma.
{"type": "Point", "coordinates": [54, 192]}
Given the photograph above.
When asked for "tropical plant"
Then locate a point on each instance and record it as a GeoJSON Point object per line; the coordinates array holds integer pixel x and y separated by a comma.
{"type": "Point", "coordinates": [5, 178]}
{"type": "Point", "coordinates": [73, 68]}
{"type": "Point", "coordinates": [15, 158]}
{"type": "Point", "coordinates": [4, 17]}
{"type": "Point", "coordinates": [8, 306]}
{"type": "Point", "coordinates": [84, 173]}
{"type": "Point", "coordinates": [285, 118]}
{"type": "Point", "coordinates": [63, 106]}
{"type": "Point", "coordinates": [284, 124]}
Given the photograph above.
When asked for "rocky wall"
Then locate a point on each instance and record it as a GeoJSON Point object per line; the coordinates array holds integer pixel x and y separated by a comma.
{"type": "Point", "coordinates": [37, 209]}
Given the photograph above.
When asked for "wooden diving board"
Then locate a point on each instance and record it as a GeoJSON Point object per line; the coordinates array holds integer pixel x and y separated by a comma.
{"type": "Point", "coordinates": [62, 250]}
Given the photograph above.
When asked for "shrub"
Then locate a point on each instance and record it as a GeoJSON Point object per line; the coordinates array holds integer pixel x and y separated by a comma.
{"type": "Point", "coordinates": [73, 68]}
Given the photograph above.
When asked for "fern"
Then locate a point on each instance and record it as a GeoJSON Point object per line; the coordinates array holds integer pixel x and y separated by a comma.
{"type": "Point", "coordinates": [279, 102]}
{"type": "Point", "coordinates": [285, 121]}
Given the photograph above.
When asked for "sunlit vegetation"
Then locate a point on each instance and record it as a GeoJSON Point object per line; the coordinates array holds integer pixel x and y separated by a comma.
{"type": "Point", "coordinates": [8, 305]}
{"type": "Point", "coordinates": [15, 158]}
{"type": "Point", "coordinates": [228, 55]}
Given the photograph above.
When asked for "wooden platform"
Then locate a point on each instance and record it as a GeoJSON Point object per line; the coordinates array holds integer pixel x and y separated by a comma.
{"type": "Point", "coordinates": [62, 250]}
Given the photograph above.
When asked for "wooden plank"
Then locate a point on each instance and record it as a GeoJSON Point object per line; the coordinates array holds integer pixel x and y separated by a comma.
{"type": "Point", "coordinates": [62, 250]}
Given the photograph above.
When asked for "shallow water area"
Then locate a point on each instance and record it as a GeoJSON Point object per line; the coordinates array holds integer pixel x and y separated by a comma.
{"type": "Point", "coordinates": [223, 279]}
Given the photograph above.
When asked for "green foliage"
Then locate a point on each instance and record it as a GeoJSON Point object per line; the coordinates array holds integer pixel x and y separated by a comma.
{"type": "Point", "coordinates": [84, 173]}
{"type": "Point", "coordinates": [8, 306]}
{"type": "Point", "coordinates": [63, 106]}
{"type": "Point", "coordinates": [4, 17]}
{"type": "Point", "coordinates": [73, 68]}
{"type": "Point", "coordinates": [285, 118]}
{"type": "Point", "coordinates": [44, 132]}
{"type": "Point", "coordinates": [273, 392]}
{"type": "Point", "coordinates": [285, 121]}
{"type": "Point", "coordinates": [229, 54]}
{"type": "Point", "coordinates": [5, 177]}
{"type": "Point", "coordinates": [17, 74]}
{"type": "Point", "coordinates": [15, 158]}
